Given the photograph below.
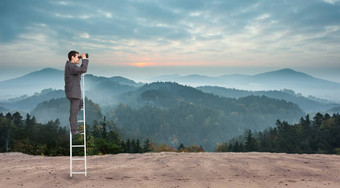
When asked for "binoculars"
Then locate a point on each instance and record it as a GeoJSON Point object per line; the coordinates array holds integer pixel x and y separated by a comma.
{"type": "Point", "coordinates": [87, 56]}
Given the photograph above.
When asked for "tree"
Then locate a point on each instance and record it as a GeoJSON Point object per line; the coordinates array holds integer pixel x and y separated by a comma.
{"type": "Point", "coordinates": [318, 119]}
{"type": "Point", "coordinates": [222, 147]}
{"type": "Point", "coordinates": [181, 147]}
{"type": "Point", "coordinates": [237, 148]}
{"type": "Point", "coordinates": [7, 128]}
{"type": "Point", "coordinates": [17, 118]}
{"type": "Point", "coordinates": [147, 146]}
{"type": "Point", "coordinates": [104, 130]}
{"type": "Point", "coordinates": [251, 143]}
{"type": "Point", "coordinates": [194, 148]}
{"type": "Point", "coordinates": [127, 148]}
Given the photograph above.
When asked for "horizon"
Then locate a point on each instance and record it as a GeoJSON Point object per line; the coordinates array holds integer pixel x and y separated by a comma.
{"type": "Point", "coordinates": [137, 39]}
{"type": "Point", "coordinates": [197, 80]}
{"type": "Point", "coordinates": [144, 75]}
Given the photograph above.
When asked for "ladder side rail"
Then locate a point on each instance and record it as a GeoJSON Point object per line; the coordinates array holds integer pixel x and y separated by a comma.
{"type": "Point", "coordinates": [84, 118]}
{"type": "Point", "coordinates": [70, 154]}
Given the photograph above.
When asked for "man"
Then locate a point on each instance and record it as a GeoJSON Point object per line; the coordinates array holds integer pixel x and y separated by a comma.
{"type": "Point", "coordinates": [72, 86]}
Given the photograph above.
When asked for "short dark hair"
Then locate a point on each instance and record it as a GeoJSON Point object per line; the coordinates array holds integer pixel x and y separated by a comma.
{"type": "Point", "coordinates": [72, 53]}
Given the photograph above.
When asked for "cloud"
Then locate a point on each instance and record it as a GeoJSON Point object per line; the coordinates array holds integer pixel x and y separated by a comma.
{"type": "Point", "coordinates": [207, 32]}
{"type": "Point", "coordinates": [84, 35]}
{"type": "Point", "coordinates": [331, 1]}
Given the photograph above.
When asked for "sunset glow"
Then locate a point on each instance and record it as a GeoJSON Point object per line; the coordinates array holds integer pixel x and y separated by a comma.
{"type": "Point", "coordinates": [142, 64]}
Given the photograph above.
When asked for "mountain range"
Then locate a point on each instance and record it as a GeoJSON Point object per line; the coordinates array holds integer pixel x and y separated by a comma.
{"type": "Point", "coordinates": [275, 80]}
{"type": "Point", "coordinates": [308, 104]}
{"type": "Point", "coordinates": [169, 112]}
{"type": "Point", "coordinates": [37, 81]}
{"type": "Point", "coordinates": [110, 91]}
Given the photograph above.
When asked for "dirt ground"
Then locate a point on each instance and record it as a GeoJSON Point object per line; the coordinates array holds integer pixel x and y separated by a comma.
{"type": "Point", "coordinates": [174, 170]}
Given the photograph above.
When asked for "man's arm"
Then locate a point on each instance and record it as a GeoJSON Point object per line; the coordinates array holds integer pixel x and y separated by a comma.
{"type": "Point", "coordinates": [74, 69]}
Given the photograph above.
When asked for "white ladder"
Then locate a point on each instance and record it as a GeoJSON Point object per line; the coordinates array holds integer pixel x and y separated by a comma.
{"type": "Point", "coordinates": [84, 136]}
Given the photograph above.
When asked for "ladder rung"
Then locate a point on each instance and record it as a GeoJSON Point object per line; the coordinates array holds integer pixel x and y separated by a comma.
{"type": "Point", "coordinates": [80, 133]}
{"type": "Point", "coordinates": [78, 159]}
{"type": "Point", "coordinates": [78, 145]}
{"type": "Point", "coordinates": [78, 172]}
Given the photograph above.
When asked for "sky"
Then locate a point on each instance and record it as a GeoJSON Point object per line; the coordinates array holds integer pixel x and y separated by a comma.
{"type": "Point", "coordinates": [147, 38]}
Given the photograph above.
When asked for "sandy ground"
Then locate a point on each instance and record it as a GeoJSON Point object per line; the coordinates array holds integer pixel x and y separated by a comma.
{"type": "Point", "coordinates": [174, 170]}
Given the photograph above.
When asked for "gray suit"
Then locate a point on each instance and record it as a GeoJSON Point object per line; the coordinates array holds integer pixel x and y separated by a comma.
{"type": "Point", "coordinates": [72, 89]}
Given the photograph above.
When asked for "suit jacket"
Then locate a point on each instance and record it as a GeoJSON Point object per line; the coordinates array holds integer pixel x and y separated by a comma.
{"type": "Point", "coordinates": [72, 78]}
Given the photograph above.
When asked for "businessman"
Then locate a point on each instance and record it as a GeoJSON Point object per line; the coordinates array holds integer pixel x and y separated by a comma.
{"type": "Point", "coordinates": [72, 86]}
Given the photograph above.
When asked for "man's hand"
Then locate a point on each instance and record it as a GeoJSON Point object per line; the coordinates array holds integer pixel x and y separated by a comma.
{"type": "Point", "coordinates": [83, 56]}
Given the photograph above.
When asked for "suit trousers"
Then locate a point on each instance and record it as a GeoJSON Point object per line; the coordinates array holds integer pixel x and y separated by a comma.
{"type": "Point", "coordinates": [75, 106]}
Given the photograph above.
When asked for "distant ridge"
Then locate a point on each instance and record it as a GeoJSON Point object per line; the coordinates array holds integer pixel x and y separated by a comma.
{"type": "Point", "coordinates": [37, 81]}
{"type": "Point", "coordinates": [46, 72]}
{"type": "Point", "coordinates": [32, 82]}
{"type": "Point", "coordinates": [291, 74]}
{"type": "Point", "coordinates": [2, 109]}
{"type": "Point", "coordinates": [309, 105]}
{"type": "Point", "coordinates": [274, 80]}
{"type": "Point", "coordinates": [283, 73]}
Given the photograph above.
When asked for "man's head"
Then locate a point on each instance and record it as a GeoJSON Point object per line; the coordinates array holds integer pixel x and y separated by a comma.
{"type": "Point", "coordinates": [73, 57]}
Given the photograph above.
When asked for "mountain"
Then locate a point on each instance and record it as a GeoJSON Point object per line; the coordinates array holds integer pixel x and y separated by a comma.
{"type": "Point", "coordinates": [92, 81]}
{"type": "Point", "coordinates": [105, 91]}
{"type": "Point", "coordinates": [101, 90]}
{"type": "Point", "coordinates": [59, 109]}
{"type": "Point", "coordinates": [309, 105]}
{"type": "Point", "coordinates": [274, 80]}
{"type": "Point", "coordinates": [27, 103]}
{"type": "Point", "coordinates": [171, 113]}
{"type": "Point", "coordinates": [334, 110]}
{"type": "Point", "coordinates": [289, 78]}
{"type": "Point", "coordinates": [3, 110]}
{"type": "Point", "coordinates": [192, 80]}
{"type": "Point", "coordinates": [111, 91]}
{"type": "Point", "coordinates": [31, 83]}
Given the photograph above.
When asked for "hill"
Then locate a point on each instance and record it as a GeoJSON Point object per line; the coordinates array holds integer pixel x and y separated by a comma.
{"type": "Point", "coordinates": [105, 91]}
{"type": "Point", "coordinates": [59, 109]}
{"type": "Point", "coordinates": [273, 80]}
{"type": "Point", "coordinates": [27, 103]}
{"type": "Point", "coordinates": [2, 109]}
{"type": "Point", "coordinates": [36, 81]}
{"type": "Point", "coordinates": [101, 90]}
{"type": "Point", "coordinates": [334, 110]}
{"type": "Point", "coordinates": [32, 82]}
{"type": "Point", "coordinates": [309, 105]}
{"type": "Point", "coordinates": [172, 113]}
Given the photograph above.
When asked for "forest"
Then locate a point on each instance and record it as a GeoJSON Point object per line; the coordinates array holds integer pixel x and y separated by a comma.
{"type": "Point", "coordinates": [18, 134]}
{"type": "Point", "coordinates": [319, 135]}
